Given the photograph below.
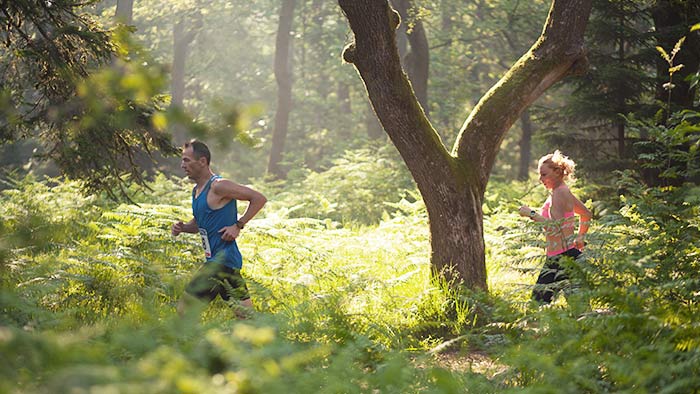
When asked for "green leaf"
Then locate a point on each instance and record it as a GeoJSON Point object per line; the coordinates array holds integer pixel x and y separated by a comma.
{"type": "Point", "coordinates": [678, 46]}
{"type": "Point", "coordinates": [663, 54]}
{"type": "Point", "coordinates": [672, 70]}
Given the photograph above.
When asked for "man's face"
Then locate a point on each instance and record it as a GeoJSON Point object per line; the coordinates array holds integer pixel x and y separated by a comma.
{"type": "Point", "coordinates": [192, 166]}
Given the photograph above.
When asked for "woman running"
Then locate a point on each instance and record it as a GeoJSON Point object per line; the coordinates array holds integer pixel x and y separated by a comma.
{"type": "Point", "coordinates": [558, 216]}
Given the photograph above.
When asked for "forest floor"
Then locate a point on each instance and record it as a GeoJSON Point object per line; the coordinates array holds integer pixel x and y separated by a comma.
{"type": "Point", "coordinates": [476, 361]}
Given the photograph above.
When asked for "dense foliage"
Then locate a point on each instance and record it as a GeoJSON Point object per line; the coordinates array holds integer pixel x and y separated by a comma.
{"type": "Point", "coordinates": [88, 96]}
{"type": "Point", "coordinates": [89, 289]}
{"type": "Point", "coordinates": [338, 262]}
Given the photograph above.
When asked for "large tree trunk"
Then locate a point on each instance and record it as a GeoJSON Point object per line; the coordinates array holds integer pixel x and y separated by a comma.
{"type": "Point", "coordinates": [453, 185]}
{"type": "Point", "coordinates": [284, 88]}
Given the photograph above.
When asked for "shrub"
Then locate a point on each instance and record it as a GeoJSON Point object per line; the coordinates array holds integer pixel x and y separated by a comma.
{"type": "Point", "coordinates": [356, 189]}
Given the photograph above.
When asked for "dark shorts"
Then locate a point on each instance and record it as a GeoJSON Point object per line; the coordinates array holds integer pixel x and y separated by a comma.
{"type": "Point", "coordinates": [552, 273]}
{"type": "Point", "coordinates": [554, 260]}
{"type": "Point", "coordinates": [212, 279]}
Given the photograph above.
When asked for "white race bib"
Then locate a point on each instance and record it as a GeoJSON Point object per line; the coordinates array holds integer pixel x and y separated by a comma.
{"type": "Point", "coordinates": [205, 242]}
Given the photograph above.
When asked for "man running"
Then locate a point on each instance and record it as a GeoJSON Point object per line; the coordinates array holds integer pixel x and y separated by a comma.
{"type": "Point", "coordinates": [216, 220]}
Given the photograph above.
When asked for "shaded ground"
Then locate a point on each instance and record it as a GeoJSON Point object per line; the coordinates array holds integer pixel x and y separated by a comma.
{"type": "Point", "coordinates": [472, 361]}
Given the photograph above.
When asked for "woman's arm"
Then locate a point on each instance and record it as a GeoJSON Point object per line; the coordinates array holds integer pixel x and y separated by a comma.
{"type": "Point", "coordinates": [584, 222]}
{"type": "Point", "coordinates": [530, 213]}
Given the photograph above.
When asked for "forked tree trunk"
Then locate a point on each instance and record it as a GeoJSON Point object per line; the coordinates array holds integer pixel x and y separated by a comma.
{"type": "Point", "coordinates": [284, 89]}
{"type": "Point", "coordinates": [453, 184]}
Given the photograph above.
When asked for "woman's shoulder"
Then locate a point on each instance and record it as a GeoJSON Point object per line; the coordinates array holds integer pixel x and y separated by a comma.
{"type": "Point", "coordinates": [561, 191]}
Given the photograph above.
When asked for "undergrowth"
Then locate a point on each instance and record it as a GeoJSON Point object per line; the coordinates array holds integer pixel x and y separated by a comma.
{"type": "Point", "coordinates": [89, 290]}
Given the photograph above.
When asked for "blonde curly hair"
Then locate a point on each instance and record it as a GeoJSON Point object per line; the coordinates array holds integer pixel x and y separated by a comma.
{"type": "Point", "coordinates": [560, 163]}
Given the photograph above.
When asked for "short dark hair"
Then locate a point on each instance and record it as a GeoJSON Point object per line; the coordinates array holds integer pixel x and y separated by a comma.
{"type": "Point", "coordinates": [199, 148]}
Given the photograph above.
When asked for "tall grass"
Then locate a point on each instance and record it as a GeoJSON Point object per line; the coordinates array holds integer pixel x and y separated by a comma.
{"type": "Point", "coordinates": [90, 287]}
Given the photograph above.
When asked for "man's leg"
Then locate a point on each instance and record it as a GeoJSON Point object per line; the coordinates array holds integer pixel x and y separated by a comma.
{"type": "Point", "coordinates": [187, 302]}
{"type": "Point", "coordinates": [201, 289]}
{"type": "Point", "coordinates": [247, 303]}
{"type": "Point", "coordinates": [245, 309]}
{"type": "Point", "coordinates": [235, 288]}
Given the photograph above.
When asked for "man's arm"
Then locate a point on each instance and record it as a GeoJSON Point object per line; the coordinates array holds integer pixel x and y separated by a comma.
{"type": "Point", "coordinates": [227, 190]}
{"type": "Point", "coordinates": [180, 227]}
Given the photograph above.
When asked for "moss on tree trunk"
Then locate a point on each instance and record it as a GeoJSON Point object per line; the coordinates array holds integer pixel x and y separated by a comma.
{"type": "Point", "coordinates": [453, 184]}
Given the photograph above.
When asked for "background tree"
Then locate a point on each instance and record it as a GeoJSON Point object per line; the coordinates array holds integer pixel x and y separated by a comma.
{"type": "Point", "coordinates": [183, 35]}
{"type": "Point", "coordinates": [672, 20]}
{"type": "Point", "coordinates": [517, 34]}
{"type": "Point", "coordinates": [627, 77]}
{"type": "Point", "coordinates": [185, 29]}
{"type": "Point", "coordinates": [91, 125]}
{"type": "Point", "coordinates": [321, 127]}
{"type": "Point", "coordinates": [453, 185]}
{"type": "Point", "coordinates": [619, 83]}
{"type": "Point", "coordinates": [125, 11]}
{"type": "Point", "coordinates": [283, 77]}
{"type": "Point", "coordinates": [465, 64]}
{"type": "Point", "coordinates": [416, 60]}
{"type": "Point", "coordinates": [227, 80]}
{"type": "Point", "coordinates": [229, 67]}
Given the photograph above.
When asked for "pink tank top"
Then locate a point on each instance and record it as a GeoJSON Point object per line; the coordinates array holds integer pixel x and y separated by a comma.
{"type": "Point", "coordinates": [545, 210]}
{"type": "Point", "coordinates": [545, 214]}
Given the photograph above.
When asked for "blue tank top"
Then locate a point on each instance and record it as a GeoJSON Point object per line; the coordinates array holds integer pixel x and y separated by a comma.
{"type": "Point", "coordinates": [210, 221]}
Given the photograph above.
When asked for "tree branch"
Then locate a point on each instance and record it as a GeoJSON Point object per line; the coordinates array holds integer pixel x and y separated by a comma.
{"type": "Point", "coordinates": [558, 52]}
{"type": "Point", "coordinates": [376, 57]}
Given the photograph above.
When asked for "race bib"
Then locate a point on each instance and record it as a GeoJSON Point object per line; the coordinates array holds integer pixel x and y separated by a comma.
{"type": "Point", "coordinates": [205, 242]}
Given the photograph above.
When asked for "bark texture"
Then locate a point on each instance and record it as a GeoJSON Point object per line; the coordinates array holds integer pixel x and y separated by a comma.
{"type": "Point", "coordinates": [453, 184]}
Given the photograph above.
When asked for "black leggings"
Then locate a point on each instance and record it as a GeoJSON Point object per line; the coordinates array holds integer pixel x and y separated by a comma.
{"type": "Point", "coordinates": [551, 273]}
